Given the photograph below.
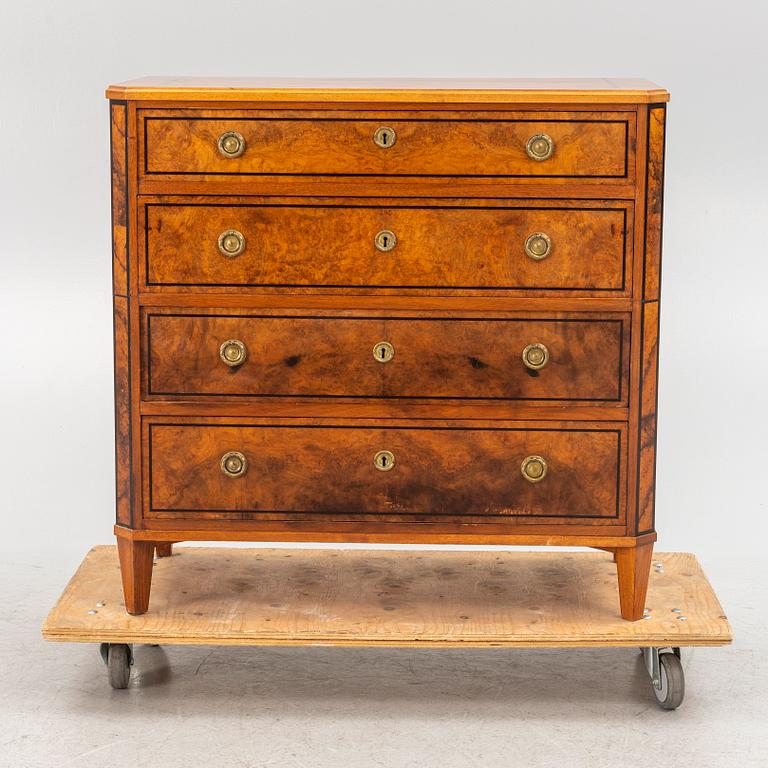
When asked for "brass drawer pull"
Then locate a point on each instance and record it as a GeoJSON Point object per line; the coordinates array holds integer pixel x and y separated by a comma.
{"type": "Point", "coordinates": [538, 245]}
{"type": "Point", "coordinates": [384, 137]}
{"type": "Point", "coordinates": [233, 352]}
{"type": "Point", "coordinates": [231, 243]}
{"type": "Point", "coordinates": [540, 147]}
{"type": "Point", "coordinates": [234, 464]}
{"type": "Point", "coordinates": [385, 240]}
{"type": "Point", "coordinates": [533, 469]}
{"type": "Point", "coordinates": [383, 352]}
{"type": "Point", "coordinates": [231, 144]}
{"type": "Point", "coordinates": [384, 461]}
{"type": "Point", "coordinates": [535, 356]}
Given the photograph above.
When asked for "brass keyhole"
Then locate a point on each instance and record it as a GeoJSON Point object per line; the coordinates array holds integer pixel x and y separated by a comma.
{"type": "Point", "coordinates": [384, 461]}
{"type": "Point", "coordinates": [385, 240]}
{"type": "Point", "coordinates": [383, 352]}
{"type": "Point", "coordinates": [384, 137]}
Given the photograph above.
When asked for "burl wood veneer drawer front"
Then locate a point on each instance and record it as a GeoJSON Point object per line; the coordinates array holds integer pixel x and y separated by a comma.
{"type": "Point", "coordinates": [533, 245]}
{"type": "Point", "coordinates": [569, 473]}
{"type": "Point", "coordinates": [578, 145]}
{"type": "Point", "coordinates": [573, 357]}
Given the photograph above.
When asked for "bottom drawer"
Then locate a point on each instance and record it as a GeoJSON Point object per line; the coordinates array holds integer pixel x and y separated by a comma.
{"type": "Point", "coordinates": [565, 472]}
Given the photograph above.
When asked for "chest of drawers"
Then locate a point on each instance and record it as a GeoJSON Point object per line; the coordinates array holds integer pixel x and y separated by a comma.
{"type": "Point", "coordinates": [412, 312]}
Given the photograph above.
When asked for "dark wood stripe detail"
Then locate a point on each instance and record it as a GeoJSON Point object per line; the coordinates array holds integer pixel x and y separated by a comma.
{"type": "Point", "coordinates": [655, 202]}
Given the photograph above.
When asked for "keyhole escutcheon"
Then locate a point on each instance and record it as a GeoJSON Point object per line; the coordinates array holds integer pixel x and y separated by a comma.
{"type": "Point", "coordinates": [384, 137]}
{"type": "Point", "coordinates": [384, 461]}
{"type": "Point", "coordinates": [385, 240]}
{"type": "Point", "coordinates": [383, 352]}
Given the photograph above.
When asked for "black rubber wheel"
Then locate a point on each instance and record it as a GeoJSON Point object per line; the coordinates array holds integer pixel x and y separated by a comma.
{"type": "Point", "coordinates": [119, 661]}
{"type": "Point", "coordinates": [671, 690]}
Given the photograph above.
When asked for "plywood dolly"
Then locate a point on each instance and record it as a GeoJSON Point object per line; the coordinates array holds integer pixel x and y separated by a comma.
{"type": "Point", "coordinates": [384, 598]}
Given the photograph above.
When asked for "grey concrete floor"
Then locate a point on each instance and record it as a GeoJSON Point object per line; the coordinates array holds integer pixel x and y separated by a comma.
{"type": "Point", "coordinates": [297, 707]}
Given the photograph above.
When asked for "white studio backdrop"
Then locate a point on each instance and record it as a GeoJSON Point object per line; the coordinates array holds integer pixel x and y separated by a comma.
{"type": "Point", "coordinates": [56, 433]}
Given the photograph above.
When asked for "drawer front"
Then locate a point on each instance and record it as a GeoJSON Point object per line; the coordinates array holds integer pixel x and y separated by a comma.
{"type": "Point", "coordinates": [299, 471]}
{"type": "Point", "coordinates": [578, 247]}
{"type": "Point", "coordinates": [571, 358]}
{"type": "Point", "coordinates": [580, 147]}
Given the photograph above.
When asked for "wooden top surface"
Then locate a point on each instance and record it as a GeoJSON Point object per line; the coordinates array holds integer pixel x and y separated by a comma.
{"type": "Point", "coordinates": [426, 90]}
{"type": "Point", "coordinates": [228, 596]}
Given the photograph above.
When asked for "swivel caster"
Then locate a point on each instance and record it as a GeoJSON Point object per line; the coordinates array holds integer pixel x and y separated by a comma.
{"type": "Point", "coordinates": [667, 677]}
{"type": "Point", "coordinates": [119, 659]}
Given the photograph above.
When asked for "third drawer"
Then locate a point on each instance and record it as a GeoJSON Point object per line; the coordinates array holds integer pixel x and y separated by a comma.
{"type": "Point", "coordinates": [508, 356]}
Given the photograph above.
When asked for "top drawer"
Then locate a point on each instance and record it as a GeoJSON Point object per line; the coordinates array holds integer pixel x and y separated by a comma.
{"type": "Point", "coordinates": [531, 145]}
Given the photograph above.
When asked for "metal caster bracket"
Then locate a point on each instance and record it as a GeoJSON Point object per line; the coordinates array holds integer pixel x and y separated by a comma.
{"type": "Point", "coordinates": [666, 673]}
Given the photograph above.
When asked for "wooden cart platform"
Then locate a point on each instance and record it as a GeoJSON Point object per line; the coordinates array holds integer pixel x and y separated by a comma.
{"type": "Point", "coordinates": [254, 596]}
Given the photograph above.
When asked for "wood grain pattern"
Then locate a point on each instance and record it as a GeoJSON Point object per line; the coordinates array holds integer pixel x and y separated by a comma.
{"type": "Point", "coordinates": [332, 245]}
{"type": "Point", "coordinates": [332, 356]}
{"type": "Point", "coordinates": [583, 147]}
{"type": "Point", "coordinates": [646, 483]}
{"type": "Point", "coordinates": [372, 408]}
{"type": "Point", "coordinates": [331, 471]}
{"type": "Point", "coordinates": [136, 571]}
{"type": "Point", "coordinates": [435, 301]}
{"type": "Point", "coordinates": [309, 193]}
{"type": "Point", "coordinates": [119, 169]}
{"type": "Point", "coordinates": [123, 434]}
{"type": "Point", "coordinates": [654, 202]}
{"type": "Point", "coordinates": [392, 187]}
{"type": "Point", "coordinates": [633, 565]}
{"type": "Point", "coordinates": [384, 90]}
{"type": "Point", "coordinates": [267, 596]}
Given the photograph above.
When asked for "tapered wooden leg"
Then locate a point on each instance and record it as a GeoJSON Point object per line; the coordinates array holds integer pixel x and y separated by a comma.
{"type": "Point", "coordinates": [164, 548]}
{"type": "Point", "coordinates": [136, 571]}
{"type": "Point", "coordinates": [634, 567]}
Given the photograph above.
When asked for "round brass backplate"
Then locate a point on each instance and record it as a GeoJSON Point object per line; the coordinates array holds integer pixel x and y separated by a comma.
{"type": "Point", "coordinates": [385, 240]}
{"type": "Point", "coordinates": [231, 243]}
{"type": "Point", "coordinates": [384, 137]}
{"type": "Point", "coordinates": [538, 245]}
{"type": "Point", "coordinates": [233, 352]}
{"type": "Point", "coordinates": [533, 469]}
{"type": "Point", "coordinates": [540, 147]}
{"type": "Point", "coordinates": [535, 356]}
{"type": "Point", "coordinates": [231, 144]}
{"type": "Point", "coordinates": [234, 464]}
{"type": "Point", "coordinates": [383, 352]}
{"type": "Point", "coordinates": [384, 461]}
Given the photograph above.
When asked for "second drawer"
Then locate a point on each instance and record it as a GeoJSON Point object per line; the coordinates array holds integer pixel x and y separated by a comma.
{"type": "Point", "coordinates": [580, 247]}
{"type": "Point", "coordinates": [565, 357]}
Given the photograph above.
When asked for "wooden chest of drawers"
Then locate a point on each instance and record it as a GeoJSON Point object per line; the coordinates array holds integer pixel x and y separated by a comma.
{"type": "Point", "coordinates": [417, 311]}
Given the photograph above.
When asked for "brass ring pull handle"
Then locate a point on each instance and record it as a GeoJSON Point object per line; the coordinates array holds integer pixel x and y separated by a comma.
{"type": "Point", "coordinates": [540, 147]}
{"type": "Point", "coordinates": [383, 352]}
{"type": "Point", "coordinates": [231, 144]}
{"type": "Point", "coordinates": [384, 137]}
{"type": "Point", "coordinates": [385, 240]}
{"type": "Point", "coordinates": [233, 352]}
{"type": "Point", "coordinates": [231, 243]}
{"type": "Point", "coordinates": [384, 461]}
{"type": "Point", "coordinates": [234, 464]}
{"type": "Point", "coordinates": [533, 469]}
{"type": "Point", "coordinates": [535, 356]}
{"type": "Point", "coordinates": [538, 246]}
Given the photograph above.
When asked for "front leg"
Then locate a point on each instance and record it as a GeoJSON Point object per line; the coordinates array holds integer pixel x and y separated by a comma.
{"type": "Point", "coordinates": [136, 571]}
{"type": "Point", "coordinates": [633, 565]}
